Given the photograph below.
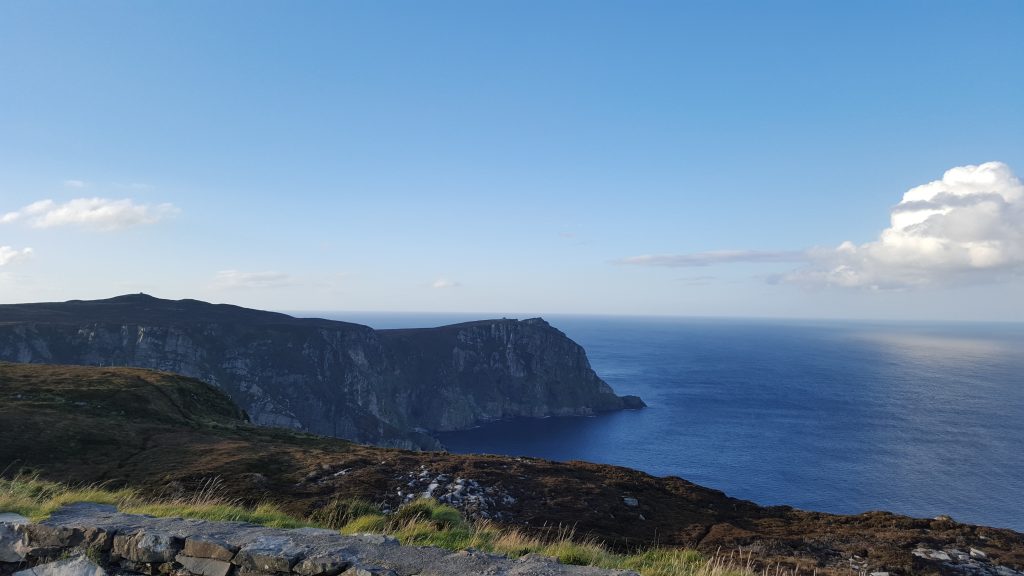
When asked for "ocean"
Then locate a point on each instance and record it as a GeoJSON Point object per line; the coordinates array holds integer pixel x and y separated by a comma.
{"type": "Point", "coordinates": [919, 419]}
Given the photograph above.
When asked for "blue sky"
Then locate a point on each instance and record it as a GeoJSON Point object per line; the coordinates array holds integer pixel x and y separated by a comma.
{"type": "Point", "coordinates": [673, 158]}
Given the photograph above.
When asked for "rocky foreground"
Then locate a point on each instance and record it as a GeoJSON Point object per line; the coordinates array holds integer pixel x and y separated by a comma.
{"type": "Point", "coordinates": [168, 436]}
{"type": "Point", "coordinates": [89, 539]}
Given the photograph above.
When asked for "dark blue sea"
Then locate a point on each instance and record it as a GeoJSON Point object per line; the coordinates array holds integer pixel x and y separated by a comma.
{"type": "Point", "coordinates": [918, 419]}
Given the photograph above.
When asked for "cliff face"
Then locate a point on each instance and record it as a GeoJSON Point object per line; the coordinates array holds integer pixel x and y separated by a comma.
{"type": "Point", "coordinates": [495, 369]}
{"type": "Point", "coordinates": [327, 377]}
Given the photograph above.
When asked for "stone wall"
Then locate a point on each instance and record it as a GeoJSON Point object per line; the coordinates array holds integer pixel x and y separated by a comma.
{"type": "Point", "coordinates": [96, 540]}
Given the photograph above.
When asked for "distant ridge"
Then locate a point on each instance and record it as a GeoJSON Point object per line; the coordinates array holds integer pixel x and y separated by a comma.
{"type": "Point", "coordinates": [387, 387]}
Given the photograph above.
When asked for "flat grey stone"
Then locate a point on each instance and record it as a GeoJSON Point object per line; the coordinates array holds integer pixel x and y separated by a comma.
{"type": "Point", "coordinates": [269, 554]}
{"type": "Point", "coordinates": [314, 532]}
{"type": "Point", "coordinates": [11, 548]}
{"type": "Point", "coordinates": [74, 566]}
{"type": "Point", "coordinates": [377, 539]}
{"type": "Point", "coordinates": [209, 547]}
{"type": "Point", "coordinates": [43, 540]}
{"type": "Point", "coordinates": [630, 501]}
{"type": "Point", "coordinates": [148, 546]}
{"type": "Point", "coordinates": [323, 564]}
{"type": "Point", "coordinates": [204, 566]}
{"type": "Point", "coordinates": [12, 518]}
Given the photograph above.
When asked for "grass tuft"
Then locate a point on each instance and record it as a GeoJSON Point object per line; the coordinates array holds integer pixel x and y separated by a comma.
{"type": "Point", "coordinates": [339, 512]}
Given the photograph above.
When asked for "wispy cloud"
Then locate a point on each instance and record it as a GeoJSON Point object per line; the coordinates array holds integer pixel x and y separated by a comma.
{"type": "Point", "coordinates": [10, 255]}
{"type": "Point", "coordinates": [696, 280]}
{"type": "Point", "coordinates": [97, 213]}
{"type": "Point", "coordinates": [238, 280]}
{"type": "Point", "coordinates": [74, 184]}
{"type": "Point", "coordinates": [696, 259]}
{"type": "Point", "coordinates": [442, 283]}
{"type": "Point", "coordinates": [966, 227]}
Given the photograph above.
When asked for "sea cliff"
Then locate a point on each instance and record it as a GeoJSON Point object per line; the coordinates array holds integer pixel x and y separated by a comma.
{"type": "Point", "coordinates": [389, 387]}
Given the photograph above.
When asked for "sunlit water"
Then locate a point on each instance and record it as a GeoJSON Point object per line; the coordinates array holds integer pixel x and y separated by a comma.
{"type": "Point", "coordinates": [840, 417]}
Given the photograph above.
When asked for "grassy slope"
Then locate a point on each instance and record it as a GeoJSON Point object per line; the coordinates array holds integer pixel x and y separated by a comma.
{"type": "Point", "coordinates": [420, 523]}
{"type": "Point", "coordinates": [166, 437]}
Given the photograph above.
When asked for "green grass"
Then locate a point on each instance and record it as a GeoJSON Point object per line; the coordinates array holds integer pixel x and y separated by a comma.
{"type": "Point", "coordinates": [263, 514]}
{"type": "Point", "coordinates": [36, 499]}
{"type": "Point", "coordinates": [423, 522]}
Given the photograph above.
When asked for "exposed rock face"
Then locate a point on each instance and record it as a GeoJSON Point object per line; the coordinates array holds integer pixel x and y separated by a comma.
{"type": "Point", "coordinates": [327, 377]}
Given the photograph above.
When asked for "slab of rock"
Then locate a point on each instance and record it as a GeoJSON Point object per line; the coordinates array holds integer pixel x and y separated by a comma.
{"type": "Point", "coordinates": [269, 554]}
{"type": "Point", "coordinates": [377, 539]}
{"type": "Point", "coordinates": [205, 546]}
{"type": "Point", "coordinates": [11, 528]}
{"type": "Point", "coordinates": [204, 566]}
{"type": "Point", "coordinates": [322, 564]}
{"type": "Point", "coordinates": [930, 554]}
{"type": "Point", "coordinates": [148, 546]}
{"type": "Point", "coordinates": [74, 566]}
{"type": "Point", "coordinates": [12, 518]}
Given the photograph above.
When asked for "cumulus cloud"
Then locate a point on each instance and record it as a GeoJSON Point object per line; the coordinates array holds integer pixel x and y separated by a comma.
{"type": "Point", "coordinates": [9, 255]}
{"type": "Point", "coordinates": [966, 227]}
{"type": "Point", "coordinates": [695, 259]}
{"type": "Point", "coordinates": [236, 279]}
{"type": "Point", "coordinates": [442, 283]}
{"type": "Point", "coordinates": [99, 213]}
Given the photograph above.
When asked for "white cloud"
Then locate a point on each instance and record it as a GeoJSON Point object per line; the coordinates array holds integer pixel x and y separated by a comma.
{"type": "Point", "coordinates": [74, 183]}
{"type": "Point", "coordinates": [442, 283]}
{"type": "Point", "coordinates": [966, 227]}
{"type": "Point", "coordinates": [694, 259]}
{"type": "Point", "coordinates": [235, 280]}
{"type": "Point", "coordinates": [9, 255]}
{"type": "Point", "coordinates": [99, 213]}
